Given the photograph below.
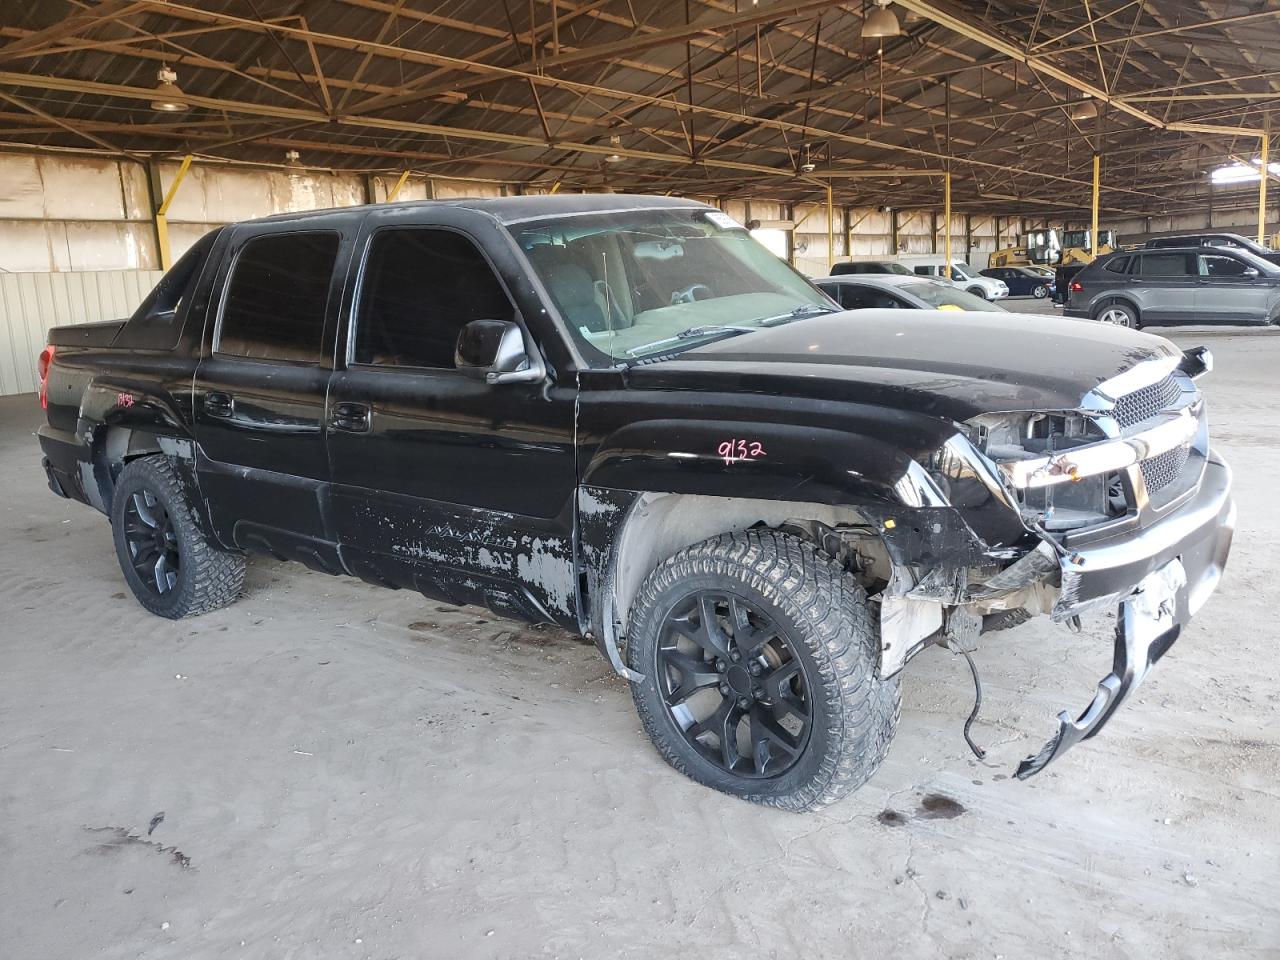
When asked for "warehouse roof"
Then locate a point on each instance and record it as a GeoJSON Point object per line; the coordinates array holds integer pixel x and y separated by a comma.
{"type": "Point", "coordinates": [713, 97]}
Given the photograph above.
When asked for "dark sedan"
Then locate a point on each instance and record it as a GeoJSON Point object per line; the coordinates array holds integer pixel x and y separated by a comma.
{"type": "Point", "coordinates": [1024, 281]}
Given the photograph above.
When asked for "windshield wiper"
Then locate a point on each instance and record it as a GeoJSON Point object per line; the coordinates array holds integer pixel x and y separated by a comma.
{"type": "Point", "coordinates": [705, 330]}
{"type": "Point", "coordinates": [808, 310]}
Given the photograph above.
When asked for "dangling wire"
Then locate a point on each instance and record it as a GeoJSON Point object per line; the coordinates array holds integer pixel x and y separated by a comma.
{"type": "Point", "coordinates": [977, 705]}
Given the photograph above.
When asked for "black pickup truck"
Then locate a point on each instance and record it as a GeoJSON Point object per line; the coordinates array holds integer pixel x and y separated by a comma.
{"type": "Point", "coordinates": [623, 416]}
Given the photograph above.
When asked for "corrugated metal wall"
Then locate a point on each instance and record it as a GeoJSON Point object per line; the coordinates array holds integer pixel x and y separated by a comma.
{"type": "Point", "coordinates": [31, 303]}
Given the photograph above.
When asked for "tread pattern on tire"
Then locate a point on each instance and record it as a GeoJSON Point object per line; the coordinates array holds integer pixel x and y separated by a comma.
{"type": "Point", "coordinates": [813, 589]}
{"type": "Point", "coordinates": [217, 575]}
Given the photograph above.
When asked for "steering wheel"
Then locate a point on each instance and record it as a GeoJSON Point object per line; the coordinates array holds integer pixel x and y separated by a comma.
{"type": "Point", "coordinates": [696, 291]}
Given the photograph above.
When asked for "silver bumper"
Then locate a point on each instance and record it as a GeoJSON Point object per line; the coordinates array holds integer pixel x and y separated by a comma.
{"type": "Point", "coordinates": [1160, 578]}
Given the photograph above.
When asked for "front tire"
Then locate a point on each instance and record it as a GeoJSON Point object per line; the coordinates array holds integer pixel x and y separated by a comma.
{"type": "Point", "coordinates": [170, 564]}
{"type": "Point", "coordinates": [978, 292]}
{"type": "Point", "coordinates": [759, 654]}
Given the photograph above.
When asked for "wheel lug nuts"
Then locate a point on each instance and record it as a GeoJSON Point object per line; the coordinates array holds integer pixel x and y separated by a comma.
{"type": "Point", "coordinates": [755, 669]}
{"type": "Point", "coordinates": [721, 666]}
{"type": "Point", "coordinates": [724, 689]}
{"type": "Point", "coordinates": [735, 656]}
{"type": "Point", "coordinates": [744, 702]}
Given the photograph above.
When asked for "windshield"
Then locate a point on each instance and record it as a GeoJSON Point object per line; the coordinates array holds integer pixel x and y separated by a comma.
{"type": "Point", "coordinates": [637, 283]}
{"type": "Point", "coordinates": [962, 271]}
{"type": "Point", "coordinates": [942, 297]}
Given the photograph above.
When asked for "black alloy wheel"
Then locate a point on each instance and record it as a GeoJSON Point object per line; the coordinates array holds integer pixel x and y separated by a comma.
{"type": "Point", "coordinates": [757, 656]}
{"type": "Point", "coordinates": [732, 685]}
{"type": "Point", "coordinates": [152, 542]}
{"type": "Point", "coordinates": [169, 560]}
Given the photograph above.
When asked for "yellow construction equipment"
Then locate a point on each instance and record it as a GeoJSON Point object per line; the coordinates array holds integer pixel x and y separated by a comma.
{"type": "Point", "coordinates": [1077, 245]}
{"type": "Point", "coordinates": [1036, 248]}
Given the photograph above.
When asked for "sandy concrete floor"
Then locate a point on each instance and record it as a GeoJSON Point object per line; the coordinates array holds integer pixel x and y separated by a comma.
{"type": "Point", "coordinates": [330, 770]}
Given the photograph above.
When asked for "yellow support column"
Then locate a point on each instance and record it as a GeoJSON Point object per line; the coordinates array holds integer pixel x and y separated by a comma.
{"type": "Point", "coordinates": [1093, 222]}
{"type": "Point", "coordinates": [396, 189]}
{"type": "Point", "coordinates": [1262, 182]}
{"type": "Point", "coordinates": [161, 218]}
{"type": "Point", "coordinates": [831, 229]}
{"type": "Point", "coordinates": [946, 215]}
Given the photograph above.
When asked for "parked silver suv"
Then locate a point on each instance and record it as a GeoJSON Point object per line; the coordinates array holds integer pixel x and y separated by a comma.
{"type": "Point", "coordinates": [1187, 285]}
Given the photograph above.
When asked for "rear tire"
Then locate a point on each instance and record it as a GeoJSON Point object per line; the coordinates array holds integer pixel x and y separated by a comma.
{"type": "Point", "coordinates": [173, 568]}
{"type": "Point", "coordinates": [1118, 314]}
{"type": "Point", "coordinates": [806, 717]}
{"type": "Point", "coordinates": [1040, 292]}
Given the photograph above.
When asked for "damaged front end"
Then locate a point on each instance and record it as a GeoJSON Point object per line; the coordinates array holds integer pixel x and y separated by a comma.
{"type": "Point", "coordinates": [1121, 505]}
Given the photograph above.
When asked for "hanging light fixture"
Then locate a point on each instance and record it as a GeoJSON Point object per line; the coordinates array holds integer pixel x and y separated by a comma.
{"type": "Point", "coordinates": [614, 141]}
{"type": "Point", "coordinates": [293, 159]}
{"type": "Point", "coordinates": [881, 22]}
{"type": "Point", "coordinates": [169, 98]}
{"type": "Point", "coordinates": [1084, 109]}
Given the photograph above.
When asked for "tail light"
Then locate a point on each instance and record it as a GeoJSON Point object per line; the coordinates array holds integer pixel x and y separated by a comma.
{"type": "Point", "coordinates": [1077, 286]}
{"type": "Point", "coordinates": [42, 367]}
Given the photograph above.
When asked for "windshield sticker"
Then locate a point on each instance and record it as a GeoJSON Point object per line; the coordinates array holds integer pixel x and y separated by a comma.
{"type": "Point", "coordinates": [722, 220]}
{"type": "Point", "coordinates": [740, 451]}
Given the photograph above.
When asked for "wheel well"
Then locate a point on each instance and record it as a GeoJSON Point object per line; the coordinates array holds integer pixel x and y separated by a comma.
{"type": "Point", "coordinates": [113, 448]}
{"type": "Point", "coordinates": [661, 525]}
{"type": "Point", "coordinates": [1109, 301]}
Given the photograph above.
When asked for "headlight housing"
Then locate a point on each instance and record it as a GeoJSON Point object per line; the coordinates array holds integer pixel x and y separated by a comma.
{"type": "Point", "coordinates": [1082, 502]}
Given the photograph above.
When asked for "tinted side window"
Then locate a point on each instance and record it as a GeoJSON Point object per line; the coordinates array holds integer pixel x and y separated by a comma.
{"type": "Point", "coordinates": [276, 298]}
{"type": "Point", "coordinates": [1118, 264]}
{"type": "Point", "coordinates": [924, 271]}
{"type": "Point", "coordinates": [157, 323]}
{"type": "Point", "coordinates": [1213, 265]}
{"type": "Point", "coordinates": [863, 298]}
{"type": "Point", "coordinates": [420, 287]}
{"type": "Point", "coordinates": [1162, 265]}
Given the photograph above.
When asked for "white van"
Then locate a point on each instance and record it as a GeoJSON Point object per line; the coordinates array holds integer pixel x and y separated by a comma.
{"type": "Point", "coordinates": [962, 275]}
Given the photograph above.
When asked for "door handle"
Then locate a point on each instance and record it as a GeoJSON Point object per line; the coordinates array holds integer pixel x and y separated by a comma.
{"type": "Point", "coordinates": [352, 417]}
{"type": "Point", "coordinates": [219, 404]}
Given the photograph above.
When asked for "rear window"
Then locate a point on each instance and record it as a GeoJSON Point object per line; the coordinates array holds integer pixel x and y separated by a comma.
{"type": "Point", "coordinates": [1118, 264]}
{"type": "Point", "coordinates": [158, 323]}
{"type": "Point", "coordinates": [275, 301]}
{"type": "Point", "coordinates": [1162, 265]}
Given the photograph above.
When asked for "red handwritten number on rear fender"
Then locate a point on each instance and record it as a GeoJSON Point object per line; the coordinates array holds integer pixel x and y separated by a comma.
{"type": "Point", "coordinates": [124, 399]}
{"type": "Point", "coordinates": [736, 451]}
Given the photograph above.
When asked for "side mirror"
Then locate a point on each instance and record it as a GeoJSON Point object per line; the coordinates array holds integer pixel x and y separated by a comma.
{"type": "Point", "coordinates": [495, 351]}
{"type": "Point", "coordinates": [1250, 272]}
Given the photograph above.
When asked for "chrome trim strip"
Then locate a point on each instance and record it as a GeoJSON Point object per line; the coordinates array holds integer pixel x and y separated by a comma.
{"type": "Point", "coordinates": [1106, 456]}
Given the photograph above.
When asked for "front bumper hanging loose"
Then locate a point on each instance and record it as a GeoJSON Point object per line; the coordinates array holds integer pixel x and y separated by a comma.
{"type": "Point", "coordinates": [1173, 566]}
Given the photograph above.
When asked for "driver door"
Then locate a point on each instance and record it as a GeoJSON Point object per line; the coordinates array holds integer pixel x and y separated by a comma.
{"type": "Point", "coordinates": [441, 481]}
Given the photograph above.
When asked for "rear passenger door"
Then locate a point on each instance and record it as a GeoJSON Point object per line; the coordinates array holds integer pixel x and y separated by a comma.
{"type": "Point", "coordinates": [1165, 286]}
{"type": "Point", "coordinates": [259, 390]}
{"type": "Point", "coordinates": [443, 482]}
{"type": "Point", "coordinates": [1225, 295]}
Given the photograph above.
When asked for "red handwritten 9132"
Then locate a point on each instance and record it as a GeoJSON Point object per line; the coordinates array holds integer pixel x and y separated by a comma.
{"type": "Point", "coordinates": [736, 451]}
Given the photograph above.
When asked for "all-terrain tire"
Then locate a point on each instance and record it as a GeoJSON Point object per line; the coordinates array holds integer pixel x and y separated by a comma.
{"type": "Point", "coordinates": [207, 578]}
{"type": "Point", "coordinates": [829, 625]}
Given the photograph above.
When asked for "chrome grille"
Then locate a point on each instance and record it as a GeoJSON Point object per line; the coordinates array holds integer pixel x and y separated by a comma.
{"type": "Point", "coordinates": [1144, 404]}
{"type": "Point", "coordinates": [1158, 472]}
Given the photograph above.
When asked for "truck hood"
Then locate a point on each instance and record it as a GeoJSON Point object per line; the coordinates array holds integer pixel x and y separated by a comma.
{"type": "Point", "coordinates": [941, 363]}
